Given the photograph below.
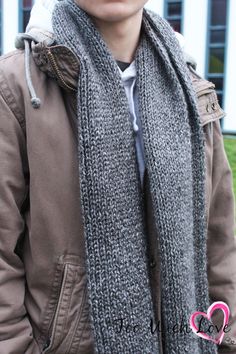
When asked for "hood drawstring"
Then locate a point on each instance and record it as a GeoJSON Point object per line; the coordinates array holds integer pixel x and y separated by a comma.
{"type": "Point", "coordinates": [35, 101]}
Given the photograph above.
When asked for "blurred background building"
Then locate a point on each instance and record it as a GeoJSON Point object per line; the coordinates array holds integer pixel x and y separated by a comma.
{"type": "Point", "coordinates": [208, 26]}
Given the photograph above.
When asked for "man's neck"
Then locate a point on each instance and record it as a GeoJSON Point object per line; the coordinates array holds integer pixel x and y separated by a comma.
{"type": "Point", "coordinates": [121, 37]}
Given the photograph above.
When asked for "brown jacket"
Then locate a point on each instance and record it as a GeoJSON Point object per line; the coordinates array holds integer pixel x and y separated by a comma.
{"type": "Point", "coordinates": [43, 293]}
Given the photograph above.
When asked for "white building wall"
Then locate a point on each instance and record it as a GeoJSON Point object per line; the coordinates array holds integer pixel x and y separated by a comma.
{"type": "Point", "coordinates": [230, 75]}
{"type": "Point", "coordinates": [10, 24]}
{"type": "Point", "coordinates": [194, 27]}
{"type": "Point", "coordinates": [156, 5]}
{"type": "Point", "coordinates": [195, 31]}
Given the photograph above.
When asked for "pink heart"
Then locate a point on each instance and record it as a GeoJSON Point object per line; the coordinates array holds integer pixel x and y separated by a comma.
{"type": "Point", "coordinates": [215, 306]}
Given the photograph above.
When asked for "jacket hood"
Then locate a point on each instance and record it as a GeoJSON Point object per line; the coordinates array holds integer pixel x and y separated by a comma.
{"type": "Point", "coordinates": [39, 28]}
{"type": "Point", "coordinates": [41, 15]}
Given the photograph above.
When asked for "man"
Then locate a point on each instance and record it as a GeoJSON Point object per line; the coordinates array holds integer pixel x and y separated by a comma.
{"type": "Point", "coordinates": [117, 213]}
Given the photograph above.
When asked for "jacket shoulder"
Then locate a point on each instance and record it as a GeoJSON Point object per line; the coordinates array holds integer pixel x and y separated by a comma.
{"type": "Point", "coordinates": [12, 64]}
{"type": "Point", "coordinates": [12, 82]}
{"type": "Point", "coordinates": [207, 101]}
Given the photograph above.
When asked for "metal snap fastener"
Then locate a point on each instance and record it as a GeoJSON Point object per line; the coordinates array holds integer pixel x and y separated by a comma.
{"type": "Point", "coordinates": [152, 263]}
{"type": "Point", "coordinates": [213, 106]}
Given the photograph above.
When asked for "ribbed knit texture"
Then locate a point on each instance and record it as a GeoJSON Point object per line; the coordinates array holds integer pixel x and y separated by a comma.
{"type": "Point", "coordinates": [111, 196]}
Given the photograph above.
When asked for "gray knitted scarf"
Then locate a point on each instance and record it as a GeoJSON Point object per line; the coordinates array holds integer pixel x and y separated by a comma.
{"type": "Point", "coordinates": [112, 200]}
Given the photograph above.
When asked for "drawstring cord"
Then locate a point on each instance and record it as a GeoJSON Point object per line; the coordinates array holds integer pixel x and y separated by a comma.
{"type": "Point", "coordinates": [35, 101]}
{"type": "Point", "coordinates": [135, 125]}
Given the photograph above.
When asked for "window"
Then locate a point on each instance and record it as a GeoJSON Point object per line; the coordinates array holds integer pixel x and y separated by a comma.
{"type": "Point", "coordinates": [216, 45]}
{"type": "Point", "coordinates": [174, 14]}
{"type": "Point", "coordinates": [24, 11]}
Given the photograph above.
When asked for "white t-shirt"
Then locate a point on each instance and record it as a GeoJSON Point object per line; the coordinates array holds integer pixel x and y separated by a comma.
{"type": "Point", "coordinates": [128, 77]}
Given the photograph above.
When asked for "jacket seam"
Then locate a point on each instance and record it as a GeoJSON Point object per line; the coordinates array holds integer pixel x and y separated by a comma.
{"type": "Point", "coordinates": [210, 120]}
{"type": "Point", "coordinates": [10, 55]}
{"type": "Point", "coordinates": [9, 98]}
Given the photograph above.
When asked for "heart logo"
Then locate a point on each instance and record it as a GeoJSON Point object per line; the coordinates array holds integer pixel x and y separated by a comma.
{"type": "Point", "coordinates": [219, 305]}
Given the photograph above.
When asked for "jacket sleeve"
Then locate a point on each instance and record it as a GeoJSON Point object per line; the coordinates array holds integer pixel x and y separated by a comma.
{"type": "Point", "coordinates": [15, 330]}
{"type": "Point", "coordinates": [221, 227]}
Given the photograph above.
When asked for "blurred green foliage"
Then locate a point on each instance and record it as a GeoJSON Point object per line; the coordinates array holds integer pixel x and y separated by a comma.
{"type": "Point", "coordinates": [230, 148]}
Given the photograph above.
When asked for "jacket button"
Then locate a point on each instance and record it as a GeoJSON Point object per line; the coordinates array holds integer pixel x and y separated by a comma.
{"type": "Point", "coordinates": [152, 263]}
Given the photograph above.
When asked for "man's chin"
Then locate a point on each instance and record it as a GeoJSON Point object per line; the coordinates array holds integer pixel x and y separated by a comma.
{"type": "Point", "coordinates": [111, 10]}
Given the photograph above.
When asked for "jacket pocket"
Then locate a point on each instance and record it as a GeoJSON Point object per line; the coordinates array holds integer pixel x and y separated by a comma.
{"type": "Point", "coordinates": [70, 331]}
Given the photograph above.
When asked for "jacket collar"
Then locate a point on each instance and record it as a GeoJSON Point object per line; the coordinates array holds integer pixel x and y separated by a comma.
{"type": "Point", "coordinates": [58, 62]}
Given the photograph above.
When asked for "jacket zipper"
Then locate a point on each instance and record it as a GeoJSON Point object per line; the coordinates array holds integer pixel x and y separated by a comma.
{"type": "Point", "coordinates": [51, 331]}
{"type": "Point", "coordinates": [57, 71]}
